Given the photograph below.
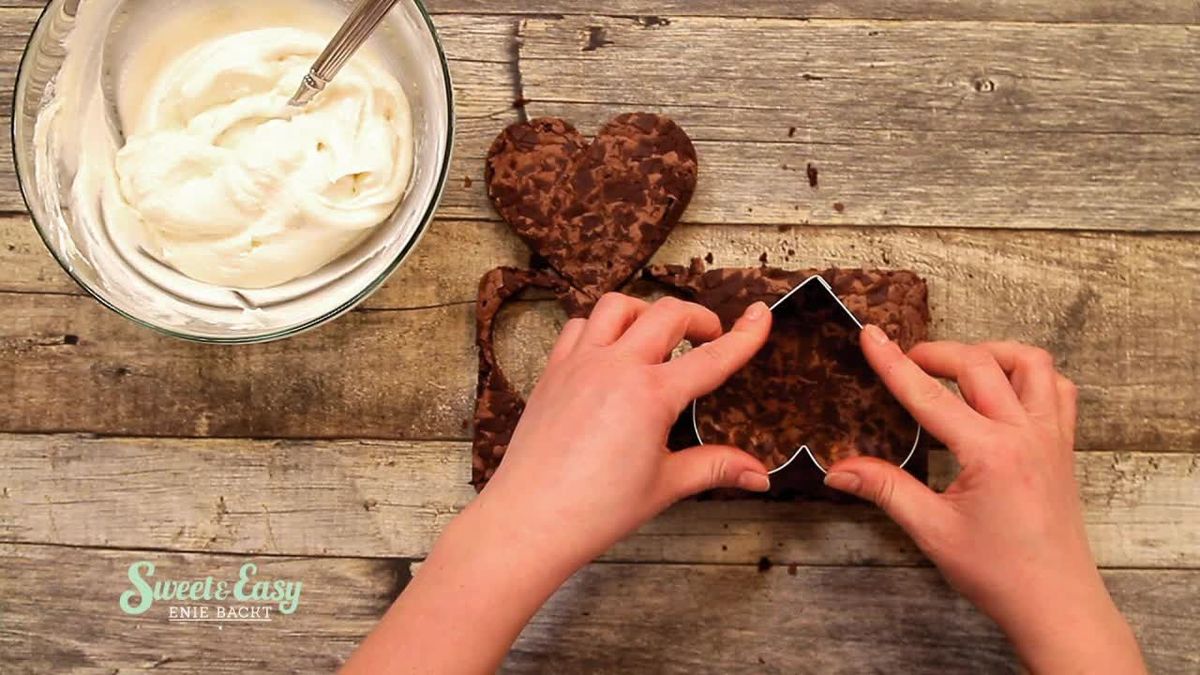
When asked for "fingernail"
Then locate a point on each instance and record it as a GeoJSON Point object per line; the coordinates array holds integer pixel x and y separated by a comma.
{"type": "Point", "coordinates": [846, 482]}
{"type": "Point", "coordinates": [754, 482]}
{"type": "Point", "coordinates": [757, 311]}
{"type": "Point", "coordinates": [876, 334]}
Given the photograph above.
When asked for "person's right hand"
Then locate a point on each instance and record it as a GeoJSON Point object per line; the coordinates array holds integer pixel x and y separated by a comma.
{"type": "Point", "coordinates": [1008, 533]}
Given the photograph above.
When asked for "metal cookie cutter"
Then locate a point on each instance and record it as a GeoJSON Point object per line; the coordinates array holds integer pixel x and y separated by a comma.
{"type": "Point", "coordinates": [852, 320]}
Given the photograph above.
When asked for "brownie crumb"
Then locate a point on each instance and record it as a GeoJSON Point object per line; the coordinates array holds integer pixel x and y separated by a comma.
{"type": "Point", "coordinates": [724, 547]}
{"type": "Point", "coordinates": [763, 258]}
{"type": "Point", "coordinates": [709, 258]}
{"type": "Point", "coordinates": [791, 132]}
{"type": "Point", "coordinates": [791, 570]}
{"type": "Point", "coordinates": [764, 564]}
{"type": "Point", "coordinates": [70, 339]}
{"type": "Point", "coordinates": [813, 176]}
{"type": "Point", "coordinates": [467, 182]}
{"type": "Point", "coordinates": [762, 661]}
{"type": "Point", "coordinates": [839, 207]}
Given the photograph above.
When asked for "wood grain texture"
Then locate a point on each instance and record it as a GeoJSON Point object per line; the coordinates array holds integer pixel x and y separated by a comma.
{"type": "Point", "coordinates": [1075, 11]}
{"type": "Point", "coordinates": [684, 619]}
{"type": "Point", "coordinates": [1086, 11]}
{"type": "Point", "coordinates": [59, 612]}
{"type": "Point", "coordinates": [391, 499]}
{"type": "Point", "coordinates": [912, 124]}
{"type": "Point", "coordinates": [972, 138]}
{"type": "Point", "coordinates": [608, 618]}
{"type": "Point", "coordinates": [404, 366]}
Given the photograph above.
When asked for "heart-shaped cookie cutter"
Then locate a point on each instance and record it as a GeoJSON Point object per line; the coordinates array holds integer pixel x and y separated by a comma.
{"type": "Point", "coordinates": [804, 449]}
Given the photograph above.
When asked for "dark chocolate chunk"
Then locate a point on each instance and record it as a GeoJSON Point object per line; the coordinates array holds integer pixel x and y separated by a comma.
{"type": "Point", "coordinates": [595, 211]}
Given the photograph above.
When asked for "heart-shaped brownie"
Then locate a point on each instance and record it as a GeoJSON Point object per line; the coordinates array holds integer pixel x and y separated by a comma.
{"type": "Point", "coordinates": [597, 211]}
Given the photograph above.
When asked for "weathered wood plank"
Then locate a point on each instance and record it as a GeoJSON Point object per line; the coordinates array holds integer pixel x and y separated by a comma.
{"type": "Point", "coordinates": [1074, 11]}
{"type": "Point", "coordinates": [898, 144]}
{"type": "Point", "coordinates": [59, 612]}
{"type": "Point", "coordinates": [613, 618]}
{"type": "Point", "coordinates": [913, 124]}
{"type": "Point", "coordinates": [608, 618]}
{"type": "Point", "coordinates": [1119, 330]}
{"type": "Point", "coordinates": [381, 499]}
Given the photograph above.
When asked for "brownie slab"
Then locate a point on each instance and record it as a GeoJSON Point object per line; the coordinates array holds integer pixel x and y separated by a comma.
{"type": "Point", "coordinates": [895, 301]}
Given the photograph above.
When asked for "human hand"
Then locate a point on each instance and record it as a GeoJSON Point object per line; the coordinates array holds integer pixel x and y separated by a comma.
{"type": "Point", "coordinates": [1008, 533]}
{"type": "Point", "coordinates": [589, 462]}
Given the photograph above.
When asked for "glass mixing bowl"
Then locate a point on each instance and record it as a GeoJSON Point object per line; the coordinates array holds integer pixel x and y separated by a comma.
{"type": "Point", "coordinates": [407, 44]}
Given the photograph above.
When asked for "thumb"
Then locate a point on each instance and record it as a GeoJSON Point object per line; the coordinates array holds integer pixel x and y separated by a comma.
{"type": "Point", "coordinates": [905, 499]}
{"type": "Point", "coordinates": [705, 467]}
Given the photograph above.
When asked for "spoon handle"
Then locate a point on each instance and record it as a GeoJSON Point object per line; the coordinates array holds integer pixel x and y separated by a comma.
{"type": "Point", "coordinates": [363, 21]}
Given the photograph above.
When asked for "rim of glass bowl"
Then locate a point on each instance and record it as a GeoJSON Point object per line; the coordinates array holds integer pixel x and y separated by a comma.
{"type": "Point", "coordinates": [337, 312]}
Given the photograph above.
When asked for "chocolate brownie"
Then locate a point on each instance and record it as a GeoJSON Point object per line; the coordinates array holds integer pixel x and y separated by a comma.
{"type": "Point", "coordinates": [598, 211]}
{"type": "Point", "coordinates": [498, 405]}
{"type": "Point", "coordinates": [811, 384]}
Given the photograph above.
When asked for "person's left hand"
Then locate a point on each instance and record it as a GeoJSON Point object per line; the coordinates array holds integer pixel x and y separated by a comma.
{"type": "Point", "coordinates": [589, 462]}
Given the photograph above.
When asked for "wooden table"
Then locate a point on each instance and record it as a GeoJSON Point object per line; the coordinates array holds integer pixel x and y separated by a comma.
{"type": "Point", "coordinates": [1037, 160]}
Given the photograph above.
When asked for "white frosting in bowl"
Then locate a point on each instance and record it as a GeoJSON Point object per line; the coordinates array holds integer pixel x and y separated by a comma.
{"type": "Point", "coordinates": [169, 176]}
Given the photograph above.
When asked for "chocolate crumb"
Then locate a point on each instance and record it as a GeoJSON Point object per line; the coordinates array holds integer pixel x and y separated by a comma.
{"type": "Point", "coordinates": [724, 547]}
{"type": "Point", "coordinates": [762, 661]}
{"type": "Point", "coordinates": [813, 175]}
{"type": "Point", "coordinates": [764, 564]}
{"type": "Point", "coordinates": [839, 207]}
{"type": "Point", "coordinates": [763, 258]}
{"type": "Point", "coordinates": [74, 339]}
{"type": "Point", "coordinates": [467, 182]}
{"type": "Point", "coordinates": [791, 570]}
{"type": "Point", "coordinates": [709, 258]}
{"type": "Point", "coordinates": [791, 132]}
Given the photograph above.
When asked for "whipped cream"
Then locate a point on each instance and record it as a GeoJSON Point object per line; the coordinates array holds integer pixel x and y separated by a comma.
{"type": "Point", "coordinates": [170, 177]}
{"type": "Point", "coordinates": [223, 181]}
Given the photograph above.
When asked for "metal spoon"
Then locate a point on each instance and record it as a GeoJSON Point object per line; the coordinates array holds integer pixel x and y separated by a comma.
{"type": "Point", "coordinates": [363, 21]}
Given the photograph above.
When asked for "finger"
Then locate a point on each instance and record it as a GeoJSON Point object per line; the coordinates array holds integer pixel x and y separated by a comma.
{"type": "Point", "coordinates": [1032, 373]}
{"type": "Point", "coordinates": [707, 467]}
{"type": "Point", "coordinates": [905, 499]}
{"type": "Point", "coordinates": [706, 367]}
{"type": "Point", "coordinates": [935, 407]}
{"type": "Point", "coordinates": [613, 315]}
{"type": "Point", "coordinates": [1068, 412]}
{"type": "Point", "coordinates": [659, 330]}
{"type": "Point", "coordinates": [980, 379]}
{"type": "Point", "coordinates": [567, 339]}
